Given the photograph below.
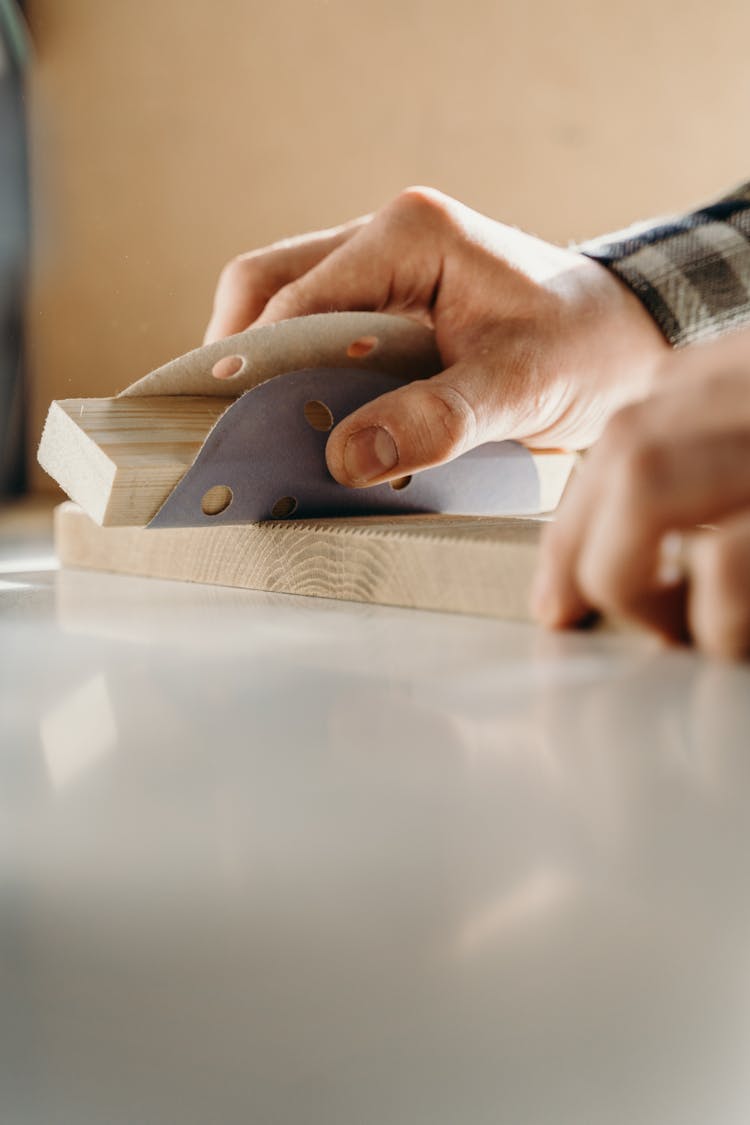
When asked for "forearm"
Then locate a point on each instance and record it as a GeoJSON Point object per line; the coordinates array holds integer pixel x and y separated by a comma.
{"type": "Point", "coordinates": [692, 272]}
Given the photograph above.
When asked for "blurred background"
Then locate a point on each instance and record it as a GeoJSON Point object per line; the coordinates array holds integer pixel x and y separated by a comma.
{"type": "Point", "coordinates": [166, 136]}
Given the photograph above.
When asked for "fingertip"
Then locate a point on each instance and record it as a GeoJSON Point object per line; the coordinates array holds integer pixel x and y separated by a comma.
{"type": "Point", "coordinates": [541, 603]}
{"type": "Point", "coordinates": [543, 599]}
{"type": "Point", "coordinates": [286, 304]}
{"type": "Point", "coordinates": [544, 603]}
{"type": "Point", "coordinates": [554, 600]}
{"type": "Point", "coordinates": [272, 314]}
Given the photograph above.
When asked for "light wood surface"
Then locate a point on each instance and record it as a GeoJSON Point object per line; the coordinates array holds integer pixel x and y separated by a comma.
{"type": "Point", "coordinates": [119, 458]}
{"type": "Point", "coordinates": [458, 564]}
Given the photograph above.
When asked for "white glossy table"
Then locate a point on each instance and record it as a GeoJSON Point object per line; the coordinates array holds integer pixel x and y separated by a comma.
{"type": "Point", "coordinates": [273, 860]}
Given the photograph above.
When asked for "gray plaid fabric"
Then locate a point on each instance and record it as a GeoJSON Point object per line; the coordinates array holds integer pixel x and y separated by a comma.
{"type": "Point", "coordinates": [692, 272]}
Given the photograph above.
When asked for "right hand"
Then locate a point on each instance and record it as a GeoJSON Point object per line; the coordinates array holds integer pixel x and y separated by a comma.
{"type": "Point", "coordinates": [656, 528]}
{"type": "Point", "coordinates": [540, 343]}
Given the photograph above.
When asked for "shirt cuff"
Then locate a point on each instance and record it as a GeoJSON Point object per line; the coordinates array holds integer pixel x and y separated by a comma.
{"type": "Point", "coordinates": [692, 272]}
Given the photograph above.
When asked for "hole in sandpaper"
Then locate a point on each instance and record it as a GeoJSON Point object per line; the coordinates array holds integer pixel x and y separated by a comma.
{"type": "Point", "coordinates": [318, 415]}
{"type": "Point", "coordinates": [400, 483]}
{"type": "Point", "coordinates": [228, 366]}
{"type": "Point", "coordinates": [284, 507]}
{"type": "Point", "coordinates": [358, 349]}
{"type": "Point", "coordinates": [216, 500]}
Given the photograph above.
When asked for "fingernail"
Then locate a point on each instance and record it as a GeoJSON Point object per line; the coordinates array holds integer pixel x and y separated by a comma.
{"type": "Point", "coordinates": [368, 454]}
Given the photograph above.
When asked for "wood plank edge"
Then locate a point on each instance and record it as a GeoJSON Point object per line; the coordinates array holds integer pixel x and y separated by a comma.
{"type": "Point", "coordinates": [63, 448]}
{"type": "Point", "coordinates": [377, 564]}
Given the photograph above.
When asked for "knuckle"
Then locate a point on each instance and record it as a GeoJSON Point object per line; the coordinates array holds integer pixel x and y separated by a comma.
{"type": "Point", "coordinates": [421, 204]}
{"type": "Point", "coordinates": [624, 429]}
{"type": "Point", "coordinates": [444, 422]}
{"type": "Point", "coordinates": [240, 272]}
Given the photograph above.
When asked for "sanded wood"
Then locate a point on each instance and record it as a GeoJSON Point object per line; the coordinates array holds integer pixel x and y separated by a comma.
{"type": "Point", "coordinates": [458, 564]}
{"type": "Point", "coordinates": [119, 458]}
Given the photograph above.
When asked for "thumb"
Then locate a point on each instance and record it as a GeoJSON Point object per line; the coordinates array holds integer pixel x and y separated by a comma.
{"type": "Point", "coordinates": [422, 424]}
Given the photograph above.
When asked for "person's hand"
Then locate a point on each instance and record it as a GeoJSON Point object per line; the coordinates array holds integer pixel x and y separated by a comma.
{"type": "Point", "coordinates": [540, 344]}
{"type": "Point", "coordinates": [627, 540]}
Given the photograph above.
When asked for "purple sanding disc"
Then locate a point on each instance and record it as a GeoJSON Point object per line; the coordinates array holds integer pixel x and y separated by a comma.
{"type": "Point", "coordinates": [269, 460]}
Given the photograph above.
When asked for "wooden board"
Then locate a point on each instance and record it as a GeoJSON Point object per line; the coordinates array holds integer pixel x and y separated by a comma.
{"type": "Point", "coordinates": [458, 564]}
{"type": "Point", "coordinates": [119, 458]}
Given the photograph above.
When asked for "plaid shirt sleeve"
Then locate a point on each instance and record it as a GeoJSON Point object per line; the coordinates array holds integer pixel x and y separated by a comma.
{"type": "Point", "coordinates": [692, 272]}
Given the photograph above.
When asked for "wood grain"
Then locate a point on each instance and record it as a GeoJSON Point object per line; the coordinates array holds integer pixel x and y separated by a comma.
{"type": "Point", "coordinates": [457, 564]}
{"type": "Point", "coordinates": [119, 458]}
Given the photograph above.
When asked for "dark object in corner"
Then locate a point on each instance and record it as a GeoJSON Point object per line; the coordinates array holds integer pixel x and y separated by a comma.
{"type": "Point", "coordinates": [14, 230]}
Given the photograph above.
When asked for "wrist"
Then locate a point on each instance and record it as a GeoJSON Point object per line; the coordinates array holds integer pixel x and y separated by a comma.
{"type": "Point", "coordinates": [691, 272]}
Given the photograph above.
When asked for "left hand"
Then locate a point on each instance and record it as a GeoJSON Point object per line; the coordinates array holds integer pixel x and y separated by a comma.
{"type": "Point", "coordinates": [664, 466]}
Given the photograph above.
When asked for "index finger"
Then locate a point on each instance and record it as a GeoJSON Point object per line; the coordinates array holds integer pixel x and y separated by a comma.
{"type": "Point", "coordinates": [249, 281]}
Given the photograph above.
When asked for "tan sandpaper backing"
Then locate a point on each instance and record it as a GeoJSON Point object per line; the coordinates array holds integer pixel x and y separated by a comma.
{"type": "Point", "coordinates": [403, 347]}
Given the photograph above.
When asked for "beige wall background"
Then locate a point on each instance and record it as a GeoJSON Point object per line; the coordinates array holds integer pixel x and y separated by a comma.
{"type": "Point", "coordinates": [168, 135]}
